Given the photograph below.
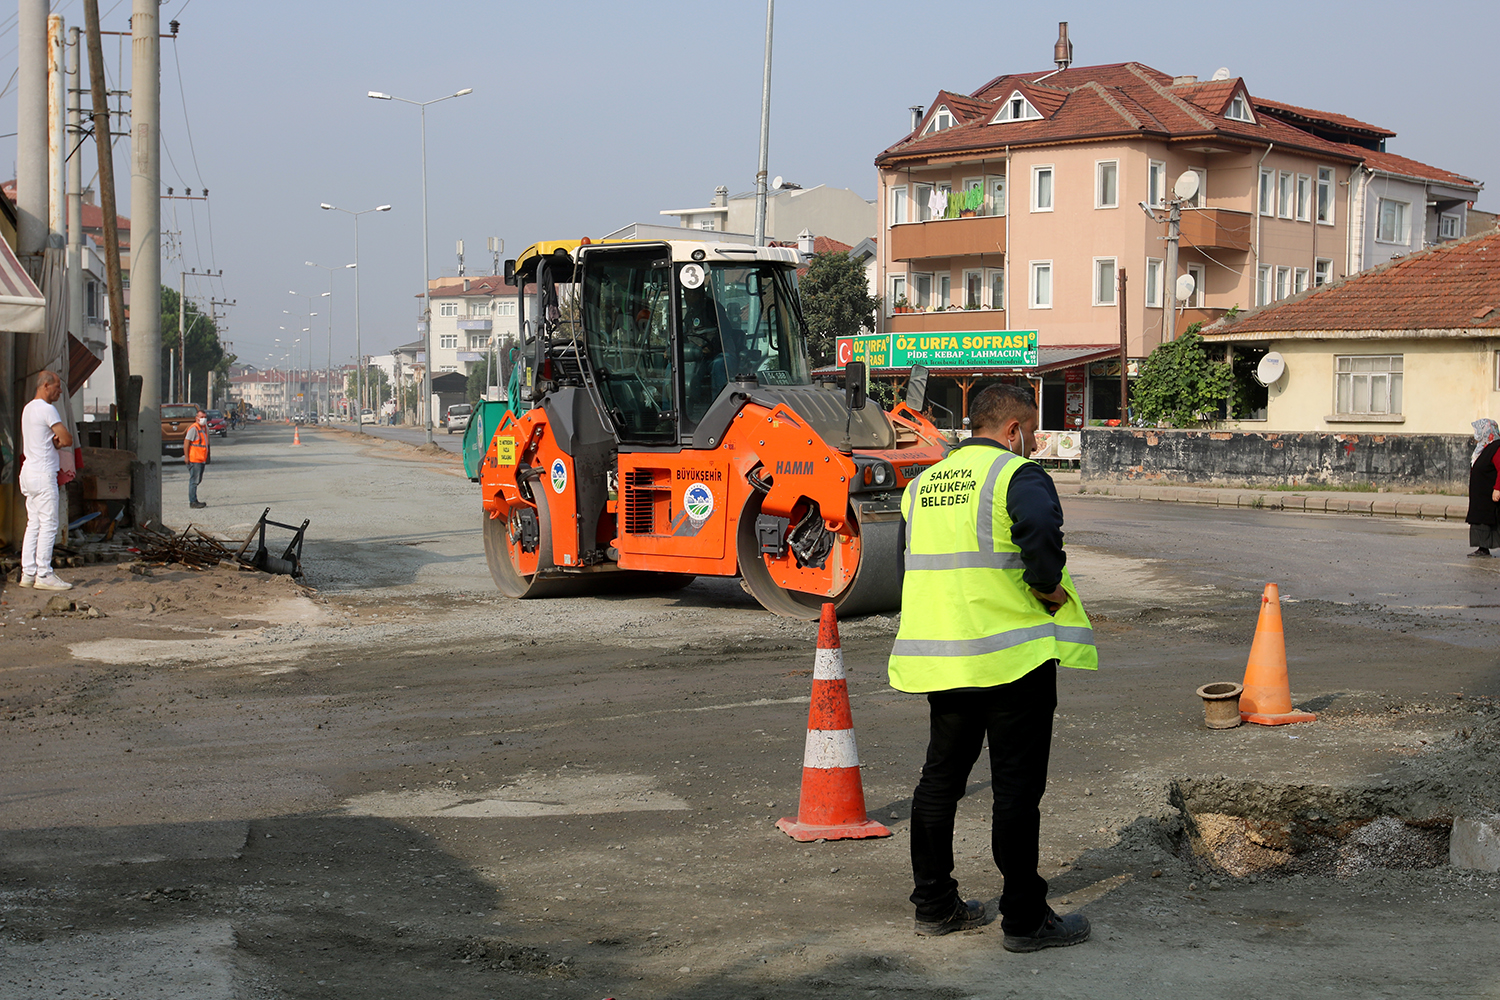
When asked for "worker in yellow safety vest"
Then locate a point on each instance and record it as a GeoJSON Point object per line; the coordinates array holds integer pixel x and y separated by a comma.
{"type": "Point", "coordinates": [988, 611]}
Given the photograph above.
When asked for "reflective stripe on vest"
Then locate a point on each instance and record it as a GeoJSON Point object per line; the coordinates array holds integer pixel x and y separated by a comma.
{"type": "Point", "coordinates": [968, 617]}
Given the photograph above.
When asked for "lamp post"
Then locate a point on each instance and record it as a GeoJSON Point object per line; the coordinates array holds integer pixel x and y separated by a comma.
{"type": "Point", "coordinates": [359, 365]}
{"type": "Point", "coordinates": [328, 370]}
{"type": "Point", "coordinates": [311, 301]}
{"type": "Point", "coordinates": [292, 353]}
{"type": "Point", "coordinates": [426, 296]}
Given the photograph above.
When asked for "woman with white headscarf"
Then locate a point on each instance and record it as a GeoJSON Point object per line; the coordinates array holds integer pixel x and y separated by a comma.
{"type": "Point", "coordinates": [1484, 489]}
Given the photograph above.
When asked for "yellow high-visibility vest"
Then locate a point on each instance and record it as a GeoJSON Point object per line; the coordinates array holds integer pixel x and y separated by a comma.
{"type": "Point", "coordinates": [968, 620]}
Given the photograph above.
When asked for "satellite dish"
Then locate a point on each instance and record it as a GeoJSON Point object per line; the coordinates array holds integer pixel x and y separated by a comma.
{"type": "Point", "coordinates": [1222, 73]}
{"type": "Point", "coordinates": [1186, 187]}
{"type": "Point", "coordinates": [1186, 285]}
{"type": "Point", "coordinates": [1270, 369]}
{"type": "Point", "coordinates": [776, 183]}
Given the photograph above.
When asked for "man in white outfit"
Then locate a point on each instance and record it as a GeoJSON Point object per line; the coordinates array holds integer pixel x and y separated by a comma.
{"type": "Point", "coordinates": [43, 434]}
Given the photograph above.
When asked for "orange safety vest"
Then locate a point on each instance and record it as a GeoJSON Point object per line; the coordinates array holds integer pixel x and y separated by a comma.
{"type": "Point", "coordinates": [196, 444]}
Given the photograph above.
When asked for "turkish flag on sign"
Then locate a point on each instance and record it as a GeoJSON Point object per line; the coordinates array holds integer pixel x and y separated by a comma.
{"type": "Point", "coordinates": [845, 351]}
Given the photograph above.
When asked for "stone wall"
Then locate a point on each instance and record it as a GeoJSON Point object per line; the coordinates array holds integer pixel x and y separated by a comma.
{"type": "Point", "coordinates": [1394, 461]}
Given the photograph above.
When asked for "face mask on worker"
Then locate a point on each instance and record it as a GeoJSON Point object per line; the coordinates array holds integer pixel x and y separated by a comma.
{"type": "Point", "coordinates": [202, 419]}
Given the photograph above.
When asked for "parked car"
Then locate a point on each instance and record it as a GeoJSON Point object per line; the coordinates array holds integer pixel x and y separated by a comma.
{"type": "Point", "coordinates": [217, 424]}
{"type": "Point", "coordinates": [457, 417]}
{"type": "Point", "coordinates": [176, 418]}
{"type": "Point", "coordinates": [367, 416]}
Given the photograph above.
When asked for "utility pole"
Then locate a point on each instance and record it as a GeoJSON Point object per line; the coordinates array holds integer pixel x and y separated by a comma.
{"type": "Point", "coordinates": [104, 146]}
{"type": "Point", "coordinates": [57, 142]}
{"type": "Point", "coordinates": [145, 249]}
{"type": "Point", "coordinates": [765, 135]}
{"type": "Point", "coordinates": [1124, 382]}
{"type": "Point", "coordinates": [73, 146]}
{"type": "Point", "coordinates": [1174, 234]}
{"type": "Point", "coordinates": [31, 134]}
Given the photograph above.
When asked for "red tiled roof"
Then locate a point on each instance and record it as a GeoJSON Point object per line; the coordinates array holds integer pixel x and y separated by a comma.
{"type": "Point", "coordinates": [487, 285]}
{"type": "Point", "coordinates": [92, 217]}
{"type": "Point", "coordinates": [1455, 286]}
{"type": "Point", "coordinates": [1326, 117]}
{"type": "Point", "coordinates": [1102, 102]}
{"type": "Point", "coordinates": [1393, 164]}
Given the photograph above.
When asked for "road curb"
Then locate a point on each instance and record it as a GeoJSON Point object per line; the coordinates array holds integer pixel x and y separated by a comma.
{"type": "Point", "coordinates": [1401, 506]}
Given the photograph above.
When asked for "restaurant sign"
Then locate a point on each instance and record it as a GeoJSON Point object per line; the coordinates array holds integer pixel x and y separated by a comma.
{"type": "Point", "coordinates": [987, 349]}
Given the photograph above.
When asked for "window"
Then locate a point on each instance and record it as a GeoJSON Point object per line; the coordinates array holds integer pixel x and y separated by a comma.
{"type": "Point", "coordinates": [944, 291]}
{"type": "Point", "coordinates": [1322, 272]}
{"type": "Point", "coordinates": [898, 292]}
{"type": "Point", "coordinates": [1304, 198]}
{"type": "Point", "coordinates": [921, 290]}
{"type": "Point", "coordinates": [1299, 281]}
{"type": "Point", "coordinates": [1239, 110]}
{"type": "Point", "coordinates": [1041, 189]}
{"type": "Point", "coordinates": [1200, 285]}
{"type": "Point", "coordinates": [1154, 271]}
{"type": "Point", "coordinates": [1199, 200]}
{"type": "Point", "coordinates": [706, 224]}
{"type": "Point", "coordinates": [996, 281]}
{"type": "Point", "coordinates": [1015, 109]}
{"type": "Point", "coordinates": [1284, 196]}
{"type": "Point", "coordinates": [448, 341]}
{"type": "Point", "coordinates": [1367, 384]}
{"type": "Point", "coordinates": [1450, 227]}
{"type": "Point", "coordinates": [447, 368]}
{"type": "Point", "coordinates": [505, 307]}
{"type": "Point", "coordinates": [995, 196]}
{"type": "Point", "coordinates": [448, 309]}
{"type": "Point", "coordinates": [1392, 225]}
{"type": "Point", "coordinates": [479, 341]}
{"type": "Point", "coordinates": [1156, 184]}
{"type": "Point", "coordinates": [1264, 294]}
{"type": "Point", "coordinates": [1283, 283]}
{"type": "Point", "coordinates": [1104, 281]}
{"type": "Point", "coordinates": [1325, 195]}
{"type": "Point", "coordinates": [921, 209]}
{"type": "Point", "coordinates": [973, 289]}
{"type": "Point", "coordinates": [1267, 192]}
{"type": "Point", "coordinates": [898, 205]}
{"type": "Point", "coordinates": [942, 120]}
{"type": "Point", "coordinates": [1107, 184]}
{"type": "Point", "coordinates": [91, 299]}
{"type": "Point", "coordinates": [1041, 284]}
{"type": "Point", "coordinates": [478, 308]}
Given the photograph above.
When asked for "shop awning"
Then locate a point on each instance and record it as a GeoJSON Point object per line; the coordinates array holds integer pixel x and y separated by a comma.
{"type": "Point", "coordinates": [22, 308]}
{"type": "Point", "coordinates": [1049, 359]}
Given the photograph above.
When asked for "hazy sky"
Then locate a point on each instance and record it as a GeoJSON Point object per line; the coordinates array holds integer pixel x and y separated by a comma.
{"type": "Point", "coordinates": [590, 115]}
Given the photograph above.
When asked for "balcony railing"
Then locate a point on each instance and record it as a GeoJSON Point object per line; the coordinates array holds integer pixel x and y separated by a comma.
{"type": "Point", "coordinates": [1217, 228]}
{"type": "Point", "coordinates": [948, 238]}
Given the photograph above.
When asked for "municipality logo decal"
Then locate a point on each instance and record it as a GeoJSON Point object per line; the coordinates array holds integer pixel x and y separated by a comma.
{"type": "Point", "coordinates": [559, 476]}
{"type": "Point", "coordinates": [698, 501]}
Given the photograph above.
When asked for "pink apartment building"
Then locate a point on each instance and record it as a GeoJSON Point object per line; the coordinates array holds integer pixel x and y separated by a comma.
{"type": "Point", "coordinates": [1017, 207]}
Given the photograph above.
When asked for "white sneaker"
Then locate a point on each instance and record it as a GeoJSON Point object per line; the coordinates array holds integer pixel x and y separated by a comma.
{"type": "Point", "coordinates": [28, 581]}
{"type": "Point", "coordinates": [51, 582]}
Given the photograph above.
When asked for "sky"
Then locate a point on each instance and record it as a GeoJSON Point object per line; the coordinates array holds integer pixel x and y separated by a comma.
{"type": "Point", "coordinates": [591, 115]}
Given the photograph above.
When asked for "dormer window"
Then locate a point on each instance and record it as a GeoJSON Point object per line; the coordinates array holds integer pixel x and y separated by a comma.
{"type": "Point", "coordinates": [1016, 108]}
{"type": "Point", "coordinates": [1239, 110]}
{"type": "Point", "coordinates": [942, 121]}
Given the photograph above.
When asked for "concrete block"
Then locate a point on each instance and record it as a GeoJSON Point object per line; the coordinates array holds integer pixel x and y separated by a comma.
{"type": "Point", "coordinates": [1408, 509]}
{"type": "Point", "coordinates": [1434, 511]}
{"type": "Point", "coordinates": [1457, 511]}
{"type": "Point", "coordinates": [1383, 507]}
{"type": "Point", "coordinates": [1294, 503]}
{"type": "Point", "coordinates": [1475, 843]}
{"type": "Point", "coordinates": [1317, 503]}
{"type": "Point", "coordinates": [1357, 506]}
{"type": "Point", "coordinates": [1335, 505]}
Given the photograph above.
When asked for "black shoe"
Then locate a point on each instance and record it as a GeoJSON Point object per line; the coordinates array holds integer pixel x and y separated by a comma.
{"type": "Point", "coordinates": [1055, 932]}
{"type": "Point", "coordinates": [197, 505]}
{"type": "Point", "coordinates": [1480, 554]}
{"type": "Point", "coordinates": [967, 915]}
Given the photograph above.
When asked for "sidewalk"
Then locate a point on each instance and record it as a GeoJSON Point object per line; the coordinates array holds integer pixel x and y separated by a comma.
{"type": "Point", "coordinates": [1421, 506]}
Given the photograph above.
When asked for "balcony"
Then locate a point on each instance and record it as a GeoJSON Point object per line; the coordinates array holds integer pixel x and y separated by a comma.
{"type": "Point", "coordinates": [476, 324]}
{"type": "Point", "coordinates": [948, 238]}
{"type": "Point", "coordinates": [1217, 229]}
{"type": "Point", "coordinates": [959, 320]}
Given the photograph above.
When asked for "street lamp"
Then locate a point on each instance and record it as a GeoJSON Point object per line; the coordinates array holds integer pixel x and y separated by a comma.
{"type": "Point", "coordinates": [311, 301]}
{"type": "Point", "coordinates": [359, 365]}
{"type": "Point", "coordinates": [328, 371]}
{"type": "Point", "coordinates": [426, 296]}
{"type": "Point", "coordinates": [306, 329]}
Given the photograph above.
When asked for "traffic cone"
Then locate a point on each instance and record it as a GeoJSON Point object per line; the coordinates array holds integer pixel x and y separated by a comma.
{"type": "Point", "coordinates": [296, 437]}
{"type": "Point", "coordinates": [832, 806]}
{"type": "Point", "coordinates": [1267, 698]}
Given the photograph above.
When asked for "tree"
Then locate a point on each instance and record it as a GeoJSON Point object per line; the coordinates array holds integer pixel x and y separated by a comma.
{"type": "Point", "coordinates": [204, 351]}
{"type": "Point", "coordinates": [1180, 386]}
{"type": "Point", "coordinates": [836, 302]}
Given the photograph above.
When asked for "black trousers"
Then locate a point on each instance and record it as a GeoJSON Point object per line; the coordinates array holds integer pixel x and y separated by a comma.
{"type": "Point", "coordinates": [1017, 718]}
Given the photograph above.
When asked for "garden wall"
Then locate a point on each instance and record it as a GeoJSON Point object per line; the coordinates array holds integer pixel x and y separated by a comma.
{"type": "Point", "coordinates": [1266, 458]}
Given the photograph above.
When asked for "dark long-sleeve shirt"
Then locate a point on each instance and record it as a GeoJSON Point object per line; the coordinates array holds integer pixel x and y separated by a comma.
{"type": "Point", "coordinates": [1036, 522]}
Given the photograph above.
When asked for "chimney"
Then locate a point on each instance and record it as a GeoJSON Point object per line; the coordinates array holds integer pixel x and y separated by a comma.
{"type": "Point", "coordinates": [466, 284]}
{"type": "Point", "coordinates": [916, 116]}
{"type": "Point", "coordinates": [1062, 52]}
{"type": "Point", "coordinates": [721, 196]}
{"type": "Point", "coordinates": [805, 243]}
{"type": "Point", "coordinates": [1178, 81]}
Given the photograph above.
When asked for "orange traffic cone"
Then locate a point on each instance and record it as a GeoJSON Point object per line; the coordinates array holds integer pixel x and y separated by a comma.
{"type": "Point", "coordinates": [832, 806]}
{"type": "Point", "coordinates": [1267, 698]}
{"type": "Point", "coordinates": [296, 437]}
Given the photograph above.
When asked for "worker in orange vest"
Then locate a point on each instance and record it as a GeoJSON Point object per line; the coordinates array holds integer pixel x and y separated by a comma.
{"type": "Point", "coordinates": [195, 453]}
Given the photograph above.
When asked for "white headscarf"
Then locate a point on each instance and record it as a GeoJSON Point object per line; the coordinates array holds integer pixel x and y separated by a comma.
{"type": "Point", "coordinates": [1485, 431]}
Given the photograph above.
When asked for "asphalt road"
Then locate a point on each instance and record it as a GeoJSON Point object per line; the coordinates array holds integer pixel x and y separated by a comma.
{"type": "Point", "coordinates": [404, 786]}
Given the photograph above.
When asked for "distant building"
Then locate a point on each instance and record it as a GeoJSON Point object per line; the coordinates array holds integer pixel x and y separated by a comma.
{"type": "Point", "coordinates": [837, 213]}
